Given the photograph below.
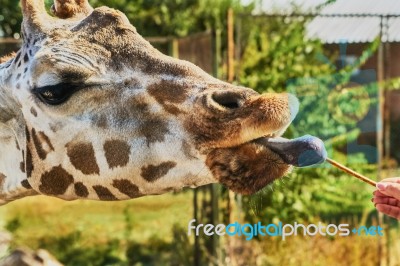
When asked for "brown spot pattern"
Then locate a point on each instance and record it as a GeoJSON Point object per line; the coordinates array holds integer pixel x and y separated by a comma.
{"type": "Point", "coordinates": [28, 135]}
{"type": "Point", "coordinates": [126, 187]}
{"type": "Point", "coordinates": [134, 107]}
{"type": "Point", "coordinates": [29, 164]}
{"type": "Point", "coordinates": [132, 83]}
{"type": "Point", "coordinates": [101, 121]}
{"type": "Point", "coordinates": [104, 193]}
{"type": "Point", "coordinates": [187, 151]}
{"type": "Point", "coordinates": [17, 144]}
{"type": "Point", "coordinates": [42, 144]}
{"type": "Point", "coordinates": [153, 172]}
{"type": "Point", "coordinates": [33, 111]}
{"type": "Point", "coordinates": [167, 93]}
{"type": "Point", "coordinates": [22, 166]}
{"type": "Point", "coordinates": [26, 184]}
{"type": "Point", "coordinates": [81, 190]}
{"type": "Point", "coordinates": [56, 126]}
{"type": "Point", "coordinates": [2, 178]}
{"type": "Point", "coordinates": [56, 181]}
{"type": "Point", "coordinates": [154, 129]}
{"type": "Point", "coordinates": [117, 153]}
{"type": "Point", "coordinates": [82, 157]}
{"type": "Point", "coordinates": [172, 109]}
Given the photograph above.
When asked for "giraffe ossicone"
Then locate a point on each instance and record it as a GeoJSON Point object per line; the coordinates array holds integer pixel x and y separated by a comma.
{"type": "Point", "coordinates": [90, 110]}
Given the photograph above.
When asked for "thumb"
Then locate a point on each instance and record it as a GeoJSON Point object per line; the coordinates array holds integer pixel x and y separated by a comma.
{"type": "Point", "coordinates": [390, 189]}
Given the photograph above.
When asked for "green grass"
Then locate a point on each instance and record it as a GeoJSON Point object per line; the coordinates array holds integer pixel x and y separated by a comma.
{"type": "Point", "coordinates": [39, 217]}
{"type": "Point", "coordinates": [152, 231]}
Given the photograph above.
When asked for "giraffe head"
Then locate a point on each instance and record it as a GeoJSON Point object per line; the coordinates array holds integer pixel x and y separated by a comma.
{"type": "Point", "coordinates": [109, 117]}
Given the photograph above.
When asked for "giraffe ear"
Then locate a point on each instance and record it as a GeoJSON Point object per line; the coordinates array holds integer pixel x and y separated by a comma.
{"type": "Point", "coordinates": [71, 8]}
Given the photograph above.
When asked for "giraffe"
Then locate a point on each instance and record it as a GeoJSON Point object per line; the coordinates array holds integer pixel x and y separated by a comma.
{"type": "Point", "coordinates": [90, 110]}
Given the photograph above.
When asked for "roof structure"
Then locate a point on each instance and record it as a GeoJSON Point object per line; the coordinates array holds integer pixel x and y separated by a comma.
{"type": "Point", "coordinates": [351, 21]}
{"type": "Point", "coordinates": [362, 22]}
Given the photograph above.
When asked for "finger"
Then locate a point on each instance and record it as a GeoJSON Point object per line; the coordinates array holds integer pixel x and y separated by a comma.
{"type": "Point", "coordinates": [377, 193]}
{"type": "Point", "coordinates": [391, 180]}
{"type": "Point", "coordinates": [389, 210]}
{"type": "Point", "coordinates": [390, 189]}
{"type": "Point", "coordinates": [387, 201]}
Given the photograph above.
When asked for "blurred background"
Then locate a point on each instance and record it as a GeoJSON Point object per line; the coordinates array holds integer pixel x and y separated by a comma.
{"type": "Point", "coordinates": [342, 60]}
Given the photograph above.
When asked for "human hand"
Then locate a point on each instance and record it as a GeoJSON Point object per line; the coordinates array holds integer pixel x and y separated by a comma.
{"type": "Point", "coordinates": [387, 197]}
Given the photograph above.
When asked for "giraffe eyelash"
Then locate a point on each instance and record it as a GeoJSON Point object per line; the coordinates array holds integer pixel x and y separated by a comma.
{"type": "Point", "coordinates": [56, 94]}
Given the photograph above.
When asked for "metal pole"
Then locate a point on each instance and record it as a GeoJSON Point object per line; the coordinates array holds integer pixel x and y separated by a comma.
{"type": "Point", "coordinates": [380, 133]}
{"type": "Point", "coordinates": [386, 58]}
{"type": "Point", "coordinates": [381, 97]}
{"type": "Point", "coordinates": [386, 114]}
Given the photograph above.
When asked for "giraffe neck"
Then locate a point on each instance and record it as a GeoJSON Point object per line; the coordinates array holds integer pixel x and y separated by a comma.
{"type": "Point", "coordinates": [8, 106]}
{"type": "Point", "coordinates": [13, 180]}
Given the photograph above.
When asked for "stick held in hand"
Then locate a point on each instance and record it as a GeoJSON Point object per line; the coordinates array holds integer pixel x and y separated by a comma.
{"type": "Point", "coordinates": [351, 172]}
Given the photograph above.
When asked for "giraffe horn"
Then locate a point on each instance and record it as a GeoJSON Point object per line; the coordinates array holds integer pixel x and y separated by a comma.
{"type": "Point", "coordinates": [35, 16]}
{"type": "Point", "coordinates": [71, 8]}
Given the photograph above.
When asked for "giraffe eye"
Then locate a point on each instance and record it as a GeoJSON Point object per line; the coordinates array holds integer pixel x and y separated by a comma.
{"type": "Point", "coordinates": [55, 94]}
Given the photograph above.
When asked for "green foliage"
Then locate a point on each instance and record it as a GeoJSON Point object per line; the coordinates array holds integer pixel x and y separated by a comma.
{"type": "Point", "coordinates": [107, 233]}
{"type": "Point", "coordinates": [10, 18]}
{"type": "Point", "coordinates": [159, 252]}
{"type": "Point", "coordinates": [329, 110]}
{"type": "Point", "coordinates": [276, 52]}
{"type": "Point", "coordinates": [176, 18]}
{"type": "Point", "coordinates": [70, 250]}
{"type": "Point", "coordinates": [13, 224]}
{"type": "Point", "coordinates": [278, 57]}
{"type": "Point", "coordinates": [311, 193]}
{"type": "Point", "coordinates": [150, 17]}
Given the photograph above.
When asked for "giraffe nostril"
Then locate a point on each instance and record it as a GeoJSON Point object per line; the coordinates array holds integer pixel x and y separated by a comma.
{"type": "Point", "coordinates": [228, 100]}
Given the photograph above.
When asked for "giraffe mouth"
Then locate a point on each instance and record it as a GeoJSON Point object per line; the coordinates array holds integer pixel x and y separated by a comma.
{"type": "Point", "coordinates": [250, 166]}
{"type": "Point", "coordinates": [299, 152]}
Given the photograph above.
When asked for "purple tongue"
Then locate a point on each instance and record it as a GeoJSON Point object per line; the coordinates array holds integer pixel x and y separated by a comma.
{"type": "Point", "coordinates": [301, 152]}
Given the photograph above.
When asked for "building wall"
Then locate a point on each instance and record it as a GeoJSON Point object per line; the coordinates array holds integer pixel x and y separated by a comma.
{"type": "Point", "coordinates": [392, 68]}
{"type": "Point", "coordinates": [393, 59]}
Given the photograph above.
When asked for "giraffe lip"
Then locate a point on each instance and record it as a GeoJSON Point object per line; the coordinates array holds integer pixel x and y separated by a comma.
{"type": "Point", "coordinates": [300, 152]}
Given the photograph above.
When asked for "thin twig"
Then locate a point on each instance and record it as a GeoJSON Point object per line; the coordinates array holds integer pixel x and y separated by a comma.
{"type": "Point", "coordinates": [351, 172]}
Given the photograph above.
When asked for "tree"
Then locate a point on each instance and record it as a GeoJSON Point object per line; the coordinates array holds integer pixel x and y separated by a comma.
{"type": "Point", "coordinates": [278, 57]}
{"type": "Point", "coordinates": [10, 18]}
{"type": "Point", "coordinates": [151, 17]}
